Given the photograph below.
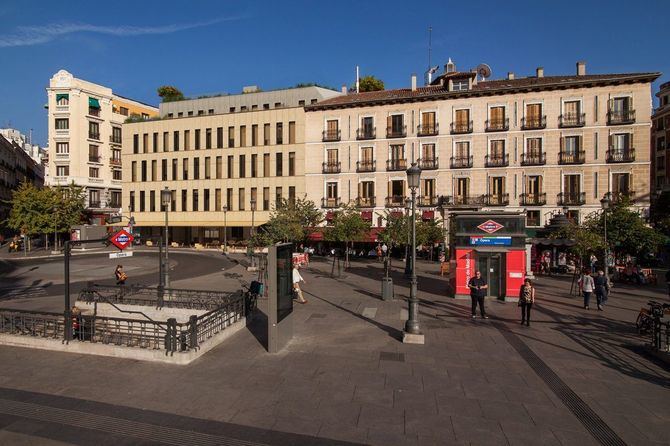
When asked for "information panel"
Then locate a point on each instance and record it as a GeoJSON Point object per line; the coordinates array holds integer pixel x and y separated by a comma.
{"type": "Point", "coordinates": [284, 281]}
{"type": "Point", "coordinates": [280, 296]}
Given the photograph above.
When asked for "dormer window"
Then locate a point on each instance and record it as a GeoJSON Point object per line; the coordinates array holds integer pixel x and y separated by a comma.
{"type": "Point", "coordinates": [460, 85]}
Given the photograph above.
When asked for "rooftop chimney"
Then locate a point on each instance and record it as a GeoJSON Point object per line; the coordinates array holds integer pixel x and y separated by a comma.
{"type": "Point", "coordinates": [414, 82]}
{"type": "Point", "coordinates": [581, 68]}
{"type": "Point", "coordinates": [344, 89]}
{"type": "Point", "coordinates": [510, 76]}
{"type": "Point", "coordinates": [539, 72]}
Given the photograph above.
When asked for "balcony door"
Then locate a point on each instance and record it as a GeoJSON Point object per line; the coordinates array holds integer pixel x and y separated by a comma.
{"type": "Point", "coordinates": [620, 142]}
{"type": "Point", "coordinates": [331, 127]}
{"type": "Point", "coordinates": [331, 157]}
{"type": "Point", "coordinates": [331, 194]}
{"type": "Point", "coordinates": [397, 152]}
{"type": "Point", "coordinates": [397, 192]}
{"type": "Point", "coordinates": [533, 114]}
{"type": "Point", "coordinates": [533, 186]}
{"type": "Point", "coordinates": [428, 122]}
{"type": "Point", "coordinates": [367, 155]}
{"type": "Point", "coordinates": [498, 149]}
{"type": "Point", "coordinates": [496, 189]}
{"type": "Point", "coordinates": [572, 110]}
{"type": "Point", "coordinates": [572, 186]}
{"type": "Point", "coordinates": [497, 116]}
{"type": "Point", "coordinates": [462, 190]}
{"type": "Point", "coordinates": [428, 152]}
{"type": "Point", "coordinates": [427, 189]}
{"type": "Point", "coordinates": [367, 125]}
{"type": "Point", "coordinates": [462, 119]}
{"type": "Point", "coordinates": [571, 146]}
{"type": "Point", "coordinates": [366, 190]}
{"type": "Point", "coordinates": [621, 183]}
{"type": "Point", "coordinates": [463, 150]}
{"type": "Point", "coordinates": [619, 106]}
{"type": "Point", "coordinates": [396, 124]}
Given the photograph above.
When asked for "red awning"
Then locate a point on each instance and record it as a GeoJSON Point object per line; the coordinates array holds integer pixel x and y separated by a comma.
{"type": "Point", "coordinates": [397, 214]}
{"type": "Point", "coordinates": [366, 215]}
{"type": "Point", "coordinates": [428, 215]}
{"type": "Point", "coordinates": [316, 236]}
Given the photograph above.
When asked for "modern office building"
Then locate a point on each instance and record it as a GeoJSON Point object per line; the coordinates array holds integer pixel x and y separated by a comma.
{"type": "Point", "coordinates": [536, 144]}
{"type": "Point", "coordinates": [85, 134]}
{"type": "Point", "coordinates": [660, 136]}
{"type": "Point", "coordinates": [226, 161]}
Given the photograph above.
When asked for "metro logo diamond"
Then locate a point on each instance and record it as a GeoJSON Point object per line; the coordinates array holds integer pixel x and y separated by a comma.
{"type": "Point", "coordinates": [490, 226]}
{"type": "Point", "coordinates": [122, 239]}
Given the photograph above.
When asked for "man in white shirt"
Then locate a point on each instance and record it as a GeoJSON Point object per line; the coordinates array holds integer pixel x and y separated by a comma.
{"type": "Point", "coordinates": [297, 278]}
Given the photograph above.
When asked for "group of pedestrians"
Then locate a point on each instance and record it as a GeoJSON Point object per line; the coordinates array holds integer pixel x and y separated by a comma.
{"type": "Point", "coordinates": [599, 285]}
{"type": "Point", "coordinates": [478, 290]}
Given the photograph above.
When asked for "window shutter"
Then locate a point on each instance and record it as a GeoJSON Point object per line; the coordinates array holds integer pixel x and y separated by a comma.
{"type": "Point", "coordinates": [580, 139]}
{"type": "Point", "coordinates": [389, 122]}
{"type": "Point", "coordinates": [389, 189]}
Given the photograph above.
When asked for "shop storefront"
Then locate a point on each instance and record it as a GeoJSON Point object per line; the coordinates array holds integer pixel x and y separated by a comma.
{"type": "Point", "coordinates": [492, 243]}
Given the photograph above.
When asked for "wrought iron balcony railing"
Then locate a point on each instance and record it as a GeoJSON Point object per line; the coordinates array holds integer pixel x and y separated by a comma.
{"type": "Point", "coordinates": [428, 163]}
{"type": "Point", "coordinates": [94, 158]}
{"type": "Point", "coordinates": [332, 167]}
{"type": "Point", "coordinates": [533, 159]}
{"type": "Point", "coordinates": [396, 164]}
{"type": "Point", "coordinates": [621, 155]}
{"type": "Point", "coordinates": [427, 201]}
{"type": "Point", "coordinates": [365, 202]}
{"type": "Point", "coordinates": [497, 125]}
{"type": "Point", "coordinates": [534, 122]}
{"type": "Point", "coordinates": [92, 135]}
{"type": "Point", "coordinates": [330, 203]}
{"type": "Point", "coordinates": [115, 139]}
{"type": "Point", "coordinates": [466, 200]}
{"type": "Point", "coordinates": [395, 201]}
{"type": "Point", "coordinates": [578, 157]}
{"type": "Point", "coordinates": [533, 199]}
{"type": "Point", "coordinates": [396, 132]}
{"type": "Point", "coordinates": [621, 195]}
{"type": "Point", "coordinates": [331, 135]}
{"type": "Point", "coordinates": [458, 128]}
{"type": "Point", "coordinates": [460, 162]}
{"type": "Point", "coordinates": [366, 133]}
{"type": "Point", "coordinates": [94, 204]}
{"type": "Point", "coordinates": [496, 160]}
{"type": "Point", "coordinates": [571, 198]}
{"type": "Point", "coordinates": [366, 166]}
{"type": "Point", "coordinates": [620, 117]}
{"type": "Point", "coordinates": [428, 129]}
{"type": "Point", "coordinates": [572, 120]}
{"type": "Point", "coordinates": [496, 199]}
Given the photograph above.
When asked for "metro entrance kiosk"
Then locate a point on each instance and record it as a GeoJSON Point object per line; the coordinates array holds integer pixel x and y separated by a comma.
{"type": "Point", "coordinates": [493, 243]}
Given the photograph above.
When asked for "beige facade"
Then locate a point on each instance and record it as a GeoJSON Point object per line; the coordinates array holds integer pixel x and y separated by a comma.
{"type": "Point", "coordinates": [214, 162]}
{"type": "Point", "coordinates": [660, 137]}
{"type": "Point", "coordinates": [85, 133]}
{"type": "Point", "coordinates": [537, 144]}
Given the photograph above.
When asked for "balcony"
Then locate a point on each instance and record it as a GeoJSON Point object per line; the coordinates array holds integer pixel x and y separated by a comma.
{"type": "Point", "coordinates": [496, 160]}
{"type": "Point", "coordinates": [428, 129]}
{"type": "Point", "coordinates": [94, 158]}
{"type": "Point", "coordinates": [396, 132]}
{"type": "Point", "coordinates": [94, 112]}
{"type": "Point", "coordinates": [331, 135]}
{"type": "Point", "coordinates": [533, 199]}
{"type": "Point", "coordinates": [534, 122]}
{"type": "Point", "coordinates": [330, 203]}
{"type": "Point", "coordinates": [496, 199]}
{"type": "Point", "coordinates": [428, 163]}
{"type": "Point", "coordinates": [332, 167]}
{"type": "Point", "coordinates": [366, 166]}
{"type": "Point", "coordinates": [366, 133]}
{"type": "Point", "coordinates": [115, 162]}
{"type": "Point", "coordinates": [534, 159]}
{"type": "Point", "coordinates": [572, 120]}
{"type": "Point", "coordinates": [95, 136]}
{"type": "Point", "coordinates": [62, 156]}
{"type": "Point", "coordinates": [114, 139]}
{"type": "Point", "coordinates": [622, 196]}
{"type": "Point", "coordinates": [571, 198]}
{"type": "Point", "coordinates": [620, 117]}
{"type": "Point", "coordinates": [427, 201]}
{"type": "Point", "coordinates": [94, 204]}
{"type": "Point", "coordinates": [460, 162]}
{"type": "Point", "coordinates": [395, 201]}
{"type": "Point", "coordinates": [396, 164]}
{"type": "Point", "coordinates": [621, 155]}
{"type": "Point", "coordinates": [365, 202]}
{"type": "Point", "coordinates": [578, 157]}
{"type": "Point", "coordinates": [497, 125]}
{"type": "Point", "coordinates": [466, 200]}
{"type": "Point", "coordinates": [115, 204]}
{"type": "Point", "coordinates": [459, 128]}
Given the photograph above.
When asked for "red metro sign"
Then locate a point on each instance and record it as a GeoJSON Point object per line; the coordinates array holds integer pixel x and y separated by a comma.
{"type": "Point", "coordinates": [490, 226]}
{"type": "Point", "coordinates": [122, 239]}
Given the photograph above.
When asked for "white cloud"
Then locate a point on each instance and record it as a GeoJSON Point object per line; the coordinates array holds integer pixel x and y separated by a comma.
{"type": "Point", "coordinates": [35, 35]}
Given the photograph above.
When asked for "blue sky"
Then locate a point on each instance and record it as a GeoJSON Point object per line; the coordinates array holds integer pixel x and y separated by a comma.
{"type": "Point", "coordinates": [219, 46]}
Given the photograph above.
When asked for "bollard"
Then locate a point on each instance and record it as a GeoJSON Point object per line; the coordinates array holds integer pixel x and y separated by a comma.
{"type": "Point", "coordinates": [160, 297]}
{"type": "Point", "coordinates": [387, 288]}
{"type": "Point", "coordinates": [171, 336]}
{"type": "Point", "coordinates": [193, 331]}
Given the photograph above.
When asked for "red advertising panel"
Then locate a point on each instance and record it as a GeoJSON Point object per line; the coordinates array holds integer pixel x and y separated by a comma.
{"type": "Point", "coordinates": [465, 269]}
{"type": "Point", "coordinates": [515, 272]}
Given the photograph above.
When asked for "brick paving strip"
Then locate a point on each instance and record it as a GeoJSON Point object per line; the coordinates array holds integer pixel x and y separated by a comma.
{"type": "Point", "coordinates": [591, 421]}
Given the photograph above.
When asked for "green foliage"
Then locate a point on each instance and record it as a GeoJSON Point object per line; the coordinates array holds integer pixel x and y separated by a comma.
{"type": "Point", "coordinates": [134, 117]}
{"type": "Point", "coordinates": [69, 204]}
{"type": "Point", "coordinates": [347, 226]}
{"type": "Point", "coordinates": [660, 216]}
{"type": "Point", "coordinates": [369, 83]}
{"type": "Point", "coordinates": [586, 241]}
{"type": "Point", "coordinates": [395, 229]}
{"type": "Point", "coordinates": [168, 93]}
{"type": "Point", "coordinates": [398, 227]}
{"type": "Point", "coordinates": [429, 232]}
{"type": "Point", "coordinates": [289, 222]}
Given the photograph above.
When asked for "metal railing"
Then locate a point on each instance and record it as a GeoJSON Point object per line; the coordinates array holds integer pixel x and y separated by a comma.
{"type": "Point", "coordinates": [92, 135]}
{"type": "Point", "coordinates": [331, 167]}
{"type": "Point", "coordinates": [365, 202]}
{"type": "Point", "coordinates": [533, 159]}
{"type": "Point", "coordinates": [626, 155]}
{"type": "Point", "coordinates": [572, 120]}
{"type": "Point", "coordinates": [92, 111]}
{"type": "Point", "coordinates": [366, 166]}
{"type": "Point", "coordinates": [396, 132]}
{"type": "Point", "coordinates": [366, 133]}
{"type": "Point", "coordinates": [534, 122]}
{"type": "Point", "coordinates": [532, 199]}
{"type": "Point", "coordinates": [329, 203]}
{"type": "Point", "coordinates": [461, 127]}
{"type": "Point", "coordinates": [32, 323]}
{"type": "Point", "coordinates": [571, 198]}
{"type": "Point", "coordinates": [395, 201]}
{"type": "Point", "coordinates": [428, 129]}
{"type": "Point", "coordinates": [497, 125]}
{"type": "Point", "coordinates": [496, 160]}
{"type": "Point", "coordinates": [615, 117]}
{"type": "Point", "coordinates": [427, 201]}
{"type": "Point", "coordinates": [622, 195]}
{"type": "Point", "coordinates": [459, 162]}
{"type": "Point", "coordinates": [396, 164]}
{"type": "Point", "coordinates": [94, 204]}
{"type": "Point", "coordinates": [94, 158]}
{"type": "Point", "coordinates": [331, 135]}
{"type": "Point", "coordinates": [496, 199]}
{"type": "Point", "coordinates": [115, 161]}
{"type": "Point", "coordinates": [578, 157]}
{"type": "Point", "coordinates": [467, 200]}
{"type": "Point", "coordinates": [428, 163]}
{"type": "Point", "coordinates": [114, 140]}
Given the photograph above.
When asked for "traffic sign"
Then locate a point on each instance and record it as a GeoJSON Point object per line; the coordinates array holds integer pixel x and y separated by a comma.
{"type": "Point", "coordinates": [119, 255]}
{"type": "Point", "coordinates": [122, 239]}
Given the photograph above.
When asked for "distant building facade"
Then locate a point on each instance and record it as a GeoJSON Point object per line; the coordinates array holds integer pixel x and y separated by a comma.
{"type": "Point", "coordinates": [85, 122]}
{"type": "Point", "coordinates": [37, 153]}
{"type": "Point", "coordinates": [217, 156]}
{"type": "Point", "coordinates": [660, 137]}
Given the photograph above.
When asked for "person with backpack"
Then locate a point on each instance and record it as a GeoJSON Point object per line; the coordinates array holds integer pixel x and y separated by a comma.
{"type": "Point", "coordinates": [526, 300]}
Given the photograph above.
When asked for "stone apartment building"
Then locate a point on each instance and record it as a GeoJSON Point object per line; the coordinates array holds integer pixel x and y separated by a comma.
{"type": "Point", "coordinates": [226, 161]}
{"type": "Point", "coordinates": [85, 133]}
{"type": "Point", "coordinates": [537, 143]}
{"type": "Point", "coordinates": [660, 136]}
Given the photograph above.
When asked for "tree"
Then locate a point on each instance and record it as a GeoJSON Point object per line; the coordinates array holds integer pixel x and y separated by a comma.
{"type": "Point", "coordinates": [395, 230]}
{"type": "Point", "coordinates": [586, 241]}
{"type": "Point", "coordinates": [168, 93]}
{"type": "Point", "coordinates": [290, 221]}
{"type": "Point", "coordinates": [31, 210]}
{"type": "Point", "coordinates": [347, 226]}
{"type": "Point", "coordinates": [369, 83]}
{"type": "Point", "coordinates": [69, 203]}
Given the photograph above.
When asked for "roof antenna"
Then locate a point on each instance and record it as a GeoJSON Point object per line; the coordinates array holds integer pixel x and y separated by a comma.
{"type": "Point", "coordinates": [430, 44]}
{"type": "Point", "coordinates": [428, 78]}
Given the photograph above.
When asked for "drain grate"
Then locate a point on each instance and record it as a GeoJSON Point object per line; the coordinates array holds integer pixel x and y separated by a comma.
{"type": "Point", "coordinates": [591, 421]}
{"type": "Point", "coordinates": [391, 356]}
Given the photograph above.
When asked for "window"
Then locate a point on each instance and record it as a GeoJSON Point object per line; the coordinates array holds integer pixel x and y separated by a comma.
{"type": "Point", "coordinates": [254, 165]}
{"type": "Point", "coordinates": [208, 138]}
{"type": "Point", "coordinates": [367, 128]}
{"type": "Point", "coordinates": [133, 171]}
{"type": "Point", "coordinates": [291, 132]}
{"type": "Point", "coordinates": [62, 171]}
{"type": "Point", "coordinates": [428, 124]}
{"type": "Point", "coordinates": [184, 169]}
{"type": "Point", "coordinates": [116, 135]}
{"type": "Point", "coordinates": [660, 143]}
{"type": "Point", "coordinates": [460, 85]}
{"type": "Point", "coordinates": [117, 175]}
{"type": "Point", "coordinates": [154, 170]}
{"type": "Point", "coordinates": [187, 140]}
{"type": "Point", "coordinates": [291, 164]}
{"type": "Point", "coordinates": [210, 111]}
{"type": "Point", "coordinates": [152, 201]}
{"type": "Point", "coordinates": [197, 139]}
{"type": "Point", "coordinates": [201, 112]}
{"type": "Point", "coordinates": [280, 133]}
{"type": "Point", "coordinates": [176, 141]}
{"type": "Point", "coordinates": [155, 142]}
{"type": "Point", "coordinates": [196, 168]}
{"type": "Point", "coordinates": [497, 150]}
{"type": "Point", "coordinates": [240, 199]}
{"type": "Point", "coordinates": [313, 101]}
{"type": "Point", "coordinates": [175, 164]}
{"type": "Point", "coordinates": [427, 190]}
{"type": "Point", "coordinates": [462, 121]}
{"type": "Point", "coordinates": [497, 119]}
{"type": "Point", "coordinates": [231, 137]}
{"type": "Point", "coordinates": [266, 134]}
{"type": "Point", "coordinates": [229, 199]}
{"type": "Point", "coordinates": [184, 200]}
{"type": "Point", "coordinates": [195, 198]}
{"type": "Point", "coordinates": [93, 172]}
{"type": "Point", "coordinates": [173, 200]}
{"type": "Point", "coordinates": [266, 164]}
{"type": "Point", "coordinates": [266, 198]}
{"type": "Point", "coordinates": [462, 190]}
{"type": "Point", "coordinates": [279, 164]}
{"type": "Point", "coordinates": [266, 106]}
{"type": "Point", "coordinates": [534, 146]}
{"type": "Point", "coordinates": [62, 124]}
{"type": "Point", "coordinates": [94, 130]}
{"type": "Point", "coordinates": [62, 99]}
{"type": "Point", "coordinates": [243, 108]}
{"type": "Point", "coordinates": [243, 166]}
{"type": "Point", "coordinates": [219, 167]}
{"type": "Point", "coordinates": [219, 137]}
{"type": "Point", "coordinates": [205, 203]}
{"type": "Point", "coordinates": [231, 110]}
{"type": "Point", "coordinates": [143, 174]}
{"type": "Point", "coordinates": [291, 194]}
{"type": "Point", "coordinates": [254, 107]}
{"type": "Point", "coordinates": [396, 193]}
{"type": "Point", "coordinates": [62, 148]}
{"type": "Point", "coordinates": [124, 111]}
{"type": "Point", "coordinates": [277, 104]}
{"type": "Point", "coordinates": [533, 218]}
{"type": "Point", "coordinates": [572, 113]}
{"type": "Point", "coordinates": [164, 170]}
{"type": "Point", "coordinates": [230, 166]}
{"type": "Point", "coordinates": [243, 136]}
{"type": "Point", "coordinates": [217, 200]}
{"type": "Point", "coordinates": [208, 168]}
{"type": "Point", "coordinates": [254, 198]}
{"type": "Point", "coordinates": [94, 198]}
{"type": "Point", "coordinates": [142, 196]}
{"type": "Point", "coordinates": [395, 124]}
{"type": "Point", "coordinates": [180, 114]}
{"type": "Point", "coordinates": [301, 103]}
{"type": "Point", "coordinates": [132, 201]}
{"type": "Point", "coordinates": [366, 193]}
{"type": "Point", "coordinates": [145, 143]}
{"type": "Point", "coordinates": [278, 196]}
{"type": "Point", "coordinates": [254, 135]}
{"type": "Point", "coordinates": [166, 141]}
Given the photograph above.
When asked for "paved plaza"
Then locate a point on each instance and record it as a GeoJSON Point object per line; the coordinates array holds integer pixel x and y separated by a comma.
{"type": "Point", "coordinates": [574, 377]}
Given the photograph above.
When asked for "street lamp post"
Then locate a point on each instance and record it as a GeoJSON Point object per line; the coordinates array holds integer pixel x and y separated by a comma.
{"type": "Point", "coordinates": [225, 229]}
{"type": "Point", "coordinates": [253, 229]}
{"type": "Point", "coordinates": [412, 333]}
{"type": "Point", "coordinates": [166, 199]}
{"type": "Point", "coordinates": [408, 257]}
{"type": "Point", "coordinates": [605, 203]}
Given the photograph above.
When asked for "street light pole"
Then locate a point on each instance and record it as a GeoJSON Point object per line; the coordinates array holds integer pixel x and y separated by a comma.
{"type": "Point", "coordinates": [225, 229]}
{"type": "Point", "coordinates": [412, 333]}
{"type": "Point", "coordinates": [408, 257]}
{"type": "Point", "coordinates": [253, 229]}
{"type": "Point", "coordinates": [166, 199]}
{"type": "Point", "coordinates": [605, 203]}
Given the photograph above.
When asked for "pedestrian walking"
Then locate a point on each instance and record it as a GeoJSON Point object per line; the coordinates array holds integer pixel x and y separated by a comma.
{"type": "Point", "coordinates": [120, 275]}
{"type": "Point", "coordinates": [526, 300]}
{"type": "Point", "coordinates": [594, 261]}
{"type": "Point", "coordinates": [297, 278]}
{"type": "Point", "coordinates": [478, 287]}
{"type": "Point", "coordinates": [602, 289]}
{"type": "Point", "coordinates": [586, 285]}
